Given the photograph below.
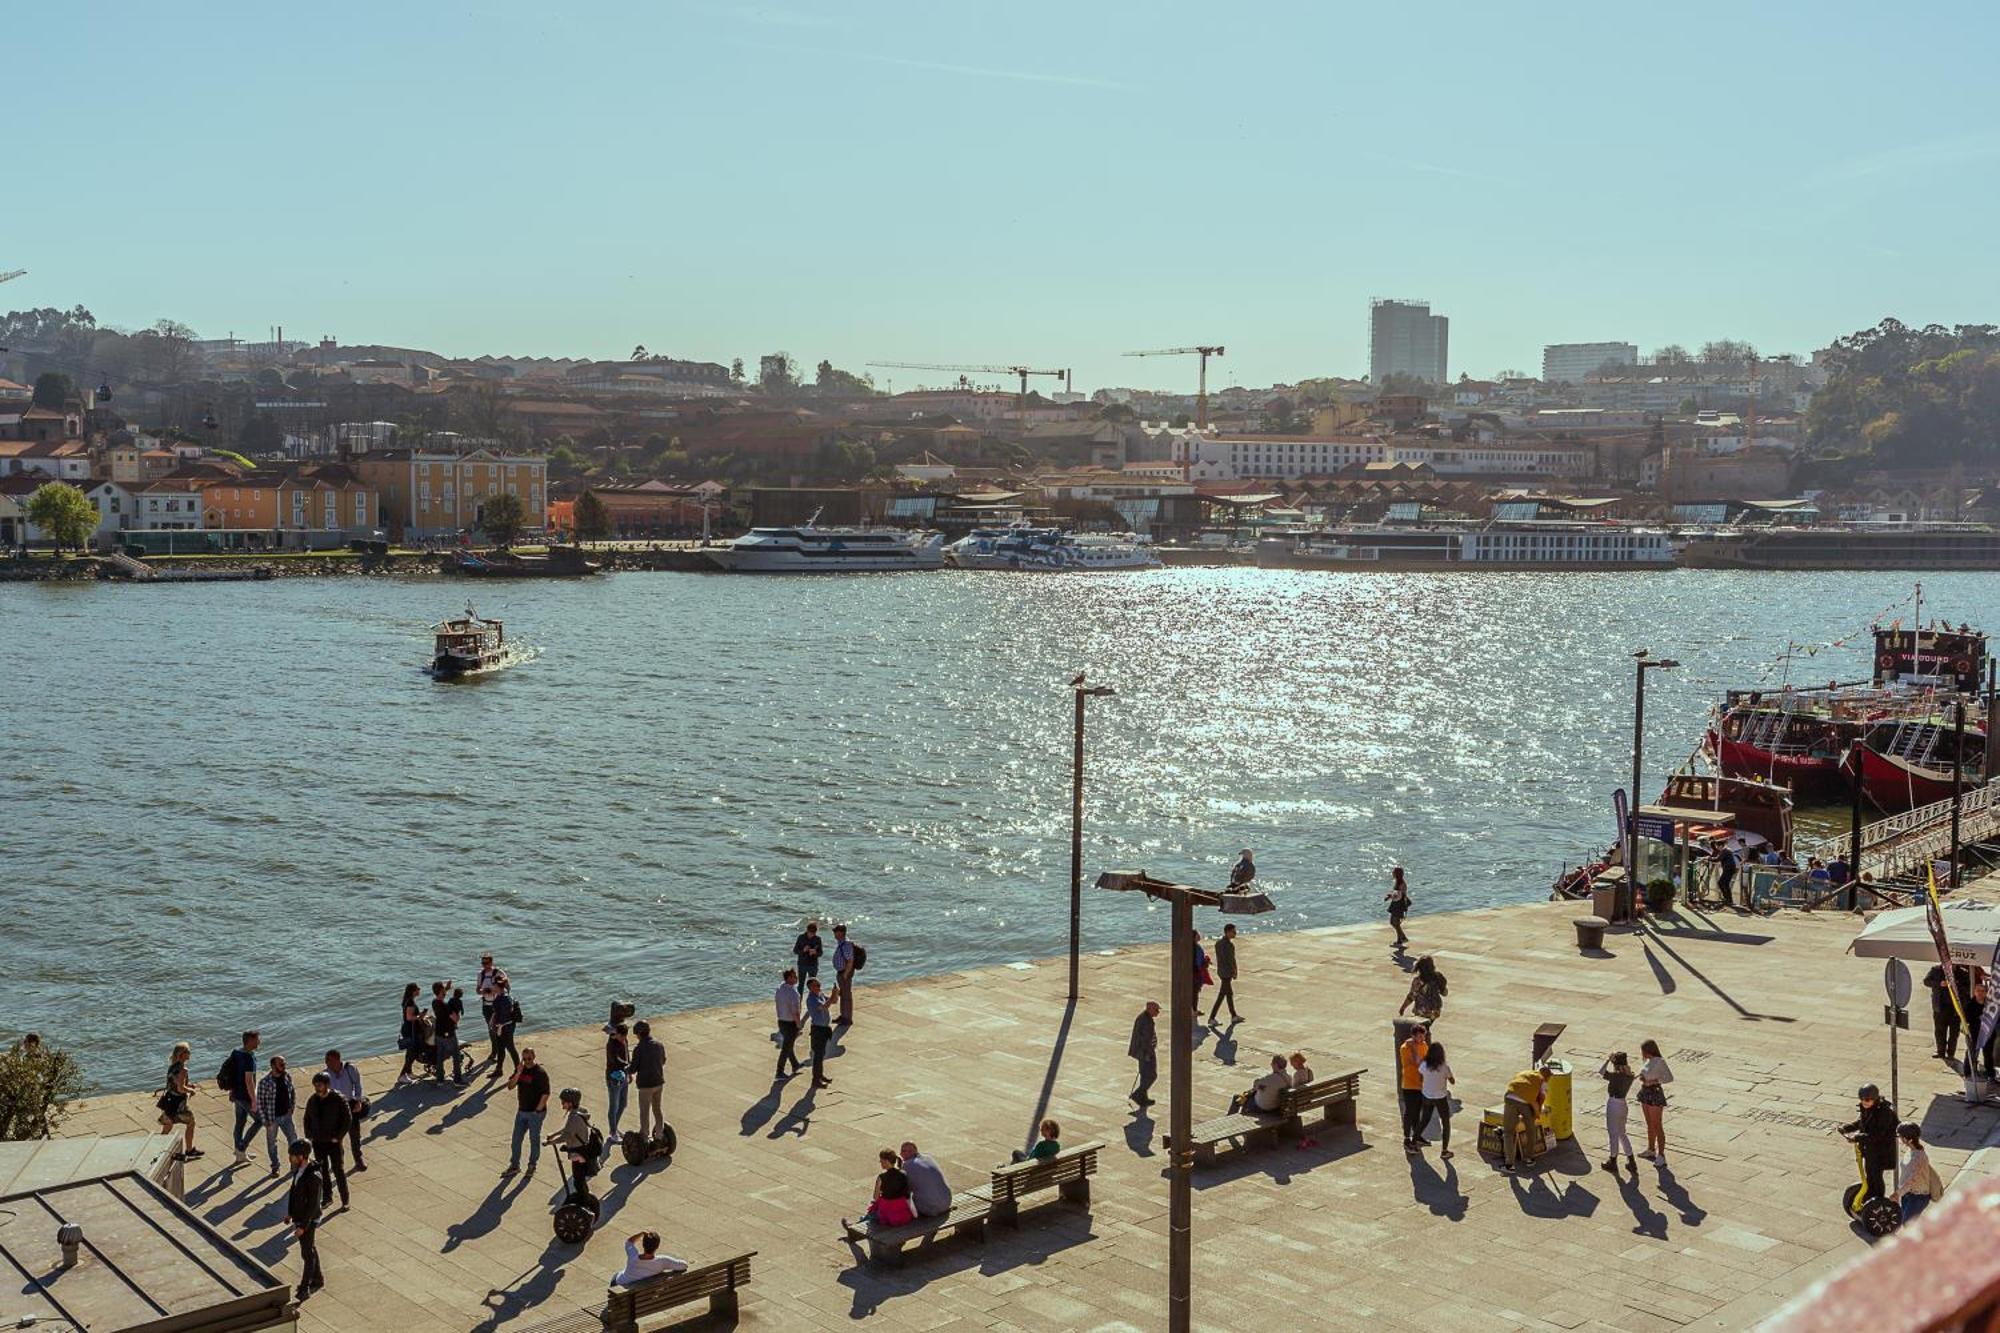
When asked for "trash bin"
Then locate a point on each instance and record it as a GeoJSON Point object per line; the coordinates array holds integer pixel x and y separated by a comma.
{"type": "Point", "coordinates": [1556, 1100]}
{"type": "Point", "coordinates": [1604, 900]}
{"type": "Point", "coordinates": [1590, 932]}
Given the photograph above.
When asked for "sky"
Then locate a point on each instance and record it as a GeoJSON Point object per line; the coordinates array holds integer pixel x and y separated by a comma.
{"type": "Point", "coordinates": [1050, 184]}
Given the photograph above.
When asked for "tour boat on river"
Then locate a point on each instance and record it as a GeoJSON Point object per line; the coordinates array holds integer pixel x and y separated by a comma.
{"type": "Point", "coordinates": [1909, 762]}
{"type": "Point", "coordinates": [810, 549]}
{"type": "Point", "coordinates": [467, 646]}
{"type": "Point", "coordinates": [1048, 550]}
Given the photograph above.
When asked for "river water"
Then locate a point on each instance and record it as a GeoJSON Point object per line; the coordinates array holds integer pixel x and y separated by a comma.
{"type": "Point", "coordinates": [242, 804]}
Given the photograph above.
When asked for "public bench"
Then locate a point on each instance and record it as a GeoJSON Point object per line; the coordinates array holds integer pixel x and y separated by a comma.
{"type": "Point", "coordinates": [718, 1282]}
{"type": "Point", "coordinates": [999, 1200]}
{"type": "Point", "coordinates": [624, 1307]}
{"type": "Point", "coordinates": [1334, 1098]}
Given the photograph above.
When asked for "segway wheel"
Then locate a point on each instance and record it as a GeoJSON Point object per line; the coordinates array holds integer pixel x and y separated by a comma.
{"type": "Point", "coordinates": [1880, 1217]}
{"type": "Point", "coordinates": [1850, 1200]}
{"type": "Point", "coordinates": [667, 1143]}
{"type": "Point", "coordinates": [632, 1147]}
{"type": "Point", "coordinates": [573, 1223]}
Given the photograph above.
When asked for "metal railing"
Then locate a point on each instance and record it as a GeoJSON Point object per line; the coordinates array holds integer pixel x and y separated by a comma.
{"type": "Point", "coordinates": [1892, 845]}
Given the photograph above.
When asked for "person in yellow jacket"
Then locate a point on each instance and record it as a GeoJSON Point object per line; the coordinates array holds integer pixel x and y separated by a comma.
{"type": "Point", "coordinates": [1521, 1115]}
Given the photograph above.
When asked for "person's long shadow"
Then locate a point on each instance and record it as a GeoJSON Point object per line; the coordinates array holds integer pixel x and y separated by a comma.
{"type": "Point", "coordinates": [486, 1217]}
{"type": "Point", "coordinates": [1670, 1189]}
{"type": "Point", "coordinates": [624, 1179]}
{"type": "Point", "coordinates": [1047, 1093]}
{"type": "Point", "coordinates": [1225, 1043]}
{"type": "Point", "coordinates": [1538, 1198]}
{"type": "Point", "coordinates": [1139, 1132]}
{"type": "Point", "coordinates": [1702, 977]}
{"type": "Point", "coordinates": [526, 1292]}
{"type": "Point", "coordinates": [1439, 1193]}
{"type": "Point", "coordinates": [759, 1113]}
{"type": "Point", "coordinates": [244, 1198]}
{"type": "Point", "coordinates": [1647, 1220]}
{"type": "Point", "coordinates": [465, 1108]}
{"type": "Point", "coordinates": [797, 1120]}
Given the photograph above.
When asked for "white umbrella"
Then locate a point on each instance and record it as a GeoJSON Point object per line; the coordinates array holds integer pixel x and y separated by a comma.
{"type": "Point", "coordinates": [1972, 929]}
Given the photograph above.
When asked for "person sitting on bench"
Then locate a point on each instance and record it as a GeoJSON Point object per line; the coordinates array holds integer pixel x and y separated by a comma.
{"type": "Point", "coordinates": [891, 1206]}
{"type": "Point", "coordinates": [643, 1260]}
{"type": "Point", "coordinates": [930, 1192]}
{"type": "Point", "coordinates": [1267, 1093]}
{"type": "Point", "coordinates": [1049, 1145]}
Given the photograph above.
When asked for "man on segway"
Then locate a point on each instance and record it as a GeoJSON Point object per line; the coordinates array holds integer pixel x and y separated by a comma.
{"type": "Point", "coordinates": [579, 1147]}
{"type": "Point", "coordinates": [1875, 1130]}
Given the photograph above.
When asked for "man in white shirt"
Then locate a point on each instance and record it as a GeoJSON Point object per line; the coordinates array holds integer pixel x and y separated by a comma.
{"type": "Point", "coordinates": [1268, 1092]}
{"type": "Point", "coordinates": [643, 1260]}
{"type": "Point", "coordinates": [788, 1022]}
{"type": "Point", "coordinates": [930, 1195]}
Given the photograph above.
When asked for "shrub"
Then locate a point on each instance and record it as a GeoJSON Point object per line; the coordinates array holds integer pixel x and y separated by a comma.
{"type": "Point", "coordinates": [35, 1091]}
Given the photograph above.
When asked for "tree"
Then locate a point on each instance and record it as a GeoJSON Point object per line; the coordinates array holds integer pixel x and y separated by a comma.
{"type": "Point", "coordinates": [777, 373]}
{"type": "Point", "coordinates": [36, 1088]}
{"type": "Point", "coordinates": [500, 518]}
{"type": "Point", "coordinates": [736, 370]}
{"type": "Point", "coordinates": [261, 434]}
{"type": "Point", "coordinates": [270, 377]}
{"type": "Point", "coordinates": [1728, 356]}
{"type": "Point", "coordinates": [830, 380]}
{"type": "Point", "coordinates": [638, 353]}
{"type": "Point", "coordinates": [1674, 356]}
{"type": "Point", "coordinates": [62, 513]}
{"type": "Point", "coordinates": [55, 390]}
{"type": "Point", "coordinates": [1281, 418]}
{"type": "Point", "coordinates": [593, 520]}
{"type": "Point", "coordinates": [564, 461]}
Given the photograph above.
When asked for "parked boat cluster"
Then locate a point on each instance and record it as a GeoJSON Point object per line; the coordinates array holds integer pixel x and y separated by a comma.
{"type": "Point", "coordinates": [810, 549]}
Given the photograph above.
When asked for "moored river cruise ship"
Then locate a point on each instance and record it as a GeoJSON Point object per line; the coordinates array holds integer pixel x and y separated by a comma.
{"type": "Point", "coordinates": [1495, 546]}
{"type": "Point", "coordinates": [808, 549]}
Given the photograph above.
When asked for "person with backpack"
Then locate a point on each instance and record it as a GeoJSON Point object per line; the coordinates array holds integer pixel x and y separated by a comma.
{"type": "Point", "coordinates": [1427, 991]}
{"type": "Point", "coordinates": [506, 1017]}
{"type": "Point", "coordinates": [578, 1139]}
{"type": "Point", "coordinates": [238, 1078]}
{"type": "Point", "coordinates": [848, 958]}
{"type": "Point", "coordinates": [276, 1098]}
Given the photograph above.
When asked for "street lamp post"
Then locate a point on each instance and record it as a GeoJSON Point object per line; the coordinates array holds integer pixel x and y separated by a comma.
{"type": "Point", "coordinates": [1182, 899]}
{"type": "Point", "coordinates": [1645, 663]}
{"type": "Point", "coordinates": [1082, 692]}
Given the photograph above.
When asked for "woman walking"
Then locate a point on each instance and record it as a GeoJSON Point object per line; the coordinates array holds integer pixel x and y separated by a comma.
{"type": "Point", "coordinates": [411, 1035]}
{"type": "Point", "coordinates": [1437, 1094]}
{"type": "Point", "coordinates": [1427, 991]}
{"type": "Point", "coordinates": [175, 1098]}
{"type": "Point", "coordinates": [1918, 1184]}
{"type": "Point", "coordinates": [1653, 1078]}
{"type": "Point", "coordinates": [617, 1077]}
{"type": "Point", "coordinates": [1398, 898]}
{"type": "Point", "coordinates": [1616, 1071]}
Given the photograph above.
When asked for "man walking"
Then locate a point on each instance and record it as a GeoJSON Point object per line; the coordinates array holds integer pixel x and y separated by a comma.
{"type": "Point", "coordinates": [239, 1079]}
{"type": "Point", "coordinates": [1145, 1048]}
{"type": "Point", "coordinates": [1410, 1055]}
{"type": "Point", "coordinates": [345, 1081]}
{"type": "Point", "coordinates": [506, 1015]}
{"type": "Point", "coordinates": [649, 1076]}
{"type": "Point", "coordinates": [302, 1209]}
{"type": "Point", "coordinates": [818, 1011]}
{"type": "Point", "coordinates": [788, 1022]}
{"type": "Point", "coordinates": [276, 1098]}
{"type": "Point", "coordinates": [844, 962]}
{"type": "Point", "coordinates": [1725, 880]}
{"type": "Point", "coordinates": [328, 1121]}
{"type": "Point", "coordinates": [531, 1088]}
{"type": "Point", "coordinates": [1225, 972]}
{"type": "Point", "coordinates": [806, 950]}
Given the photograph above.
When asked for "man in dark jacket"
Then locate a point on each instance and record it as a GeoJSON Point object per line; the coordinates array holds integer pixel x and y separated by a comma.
{"type": "Point", "coordinates": [327, 1120]}
{"type": "Point", "coordinates": [1944, 1016]}
{"type": "Point", "coordinates": [1145, 1049]}
{"type": "Point", "coordinates": [302, 1208]}
{"type": "Point", "coordinates": [1875, 1130]}
{"type": "Point", "coordinates": [1225, 973]}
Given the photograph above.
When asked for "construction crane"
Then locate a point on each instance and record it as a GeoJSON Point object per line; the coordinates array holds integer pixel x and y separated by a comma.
{"type": "Point", "coordinates": [1201, 402]}
{"type": "Point", "coordinates": [9, 277]}
{"type": "Point", "coordinates": [1020, 401]}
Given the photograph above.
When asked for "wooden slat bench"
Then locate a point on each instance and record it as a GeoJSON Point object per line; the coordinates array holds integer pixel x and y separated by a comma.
{"type": "Point", "coordinates": [718, 1282]}
{"type": "Point", "coordinates": [969, 1212]}
{"type": "Point", "coordinates": [1068, 1172]}
{"type": "Point", "coordinates": [1334, 1098]}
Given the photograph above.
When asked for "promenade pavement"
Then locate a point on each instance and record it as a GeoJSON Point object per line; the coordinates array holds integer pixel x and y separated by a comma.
{"type": "Point", "coordinates": [1768, 1025]}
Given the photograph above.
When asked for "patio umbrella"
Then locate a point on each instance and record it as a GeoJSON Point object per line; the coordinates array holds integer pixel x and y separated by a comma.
{"type": "Point", "coordinates": [1973, 930]}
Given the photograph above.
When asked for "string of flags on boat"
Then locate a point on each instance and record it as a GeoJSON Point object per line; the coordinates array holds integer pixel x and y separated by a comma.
{"type": "Point", "coordinates": [1793, 649]}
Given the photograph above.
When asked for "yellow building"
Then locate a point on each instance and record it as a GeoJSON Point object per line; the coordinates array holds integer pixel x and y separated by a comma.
{"type": "Point", "coordinates": [314, 507]}
{"type": "Point", "coordinates": [428, 494]}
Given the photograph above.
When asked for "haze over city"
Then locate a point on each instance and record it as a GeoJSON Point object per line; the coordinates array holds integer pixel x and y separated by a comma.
{"type": "Point", "coordinates": [1051, 183]}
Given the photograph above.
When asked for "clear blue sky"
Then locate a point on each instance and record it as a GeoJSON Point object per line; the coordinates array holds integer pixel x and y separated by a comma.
{"type": "Point", "coordinates": [977, 182]}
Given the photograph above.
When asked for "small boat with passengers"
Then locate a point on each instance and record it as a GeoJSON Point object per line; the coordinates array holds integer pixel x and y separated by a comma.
{"type": "Point", "coordinates": [467, 645]}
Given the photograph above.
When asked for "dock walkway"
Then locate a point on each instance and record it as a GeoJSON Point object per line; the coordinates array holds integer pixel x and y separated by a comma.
{"type": "Point", "coordinates": [1768, 1025]}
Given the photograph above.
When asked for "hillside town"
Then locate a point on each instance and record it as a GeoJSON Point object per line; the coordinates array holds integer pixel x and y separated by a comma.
{"type": "Point", "coordinates": [187, 444]}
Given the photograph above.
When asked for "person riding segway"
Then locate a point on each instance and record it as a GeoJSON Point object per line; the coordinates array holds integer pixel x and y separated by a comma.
{"type": "Point", "coordinates": [579, 1149]}
{"type": "Point", "coordinates": [1873, 1134]}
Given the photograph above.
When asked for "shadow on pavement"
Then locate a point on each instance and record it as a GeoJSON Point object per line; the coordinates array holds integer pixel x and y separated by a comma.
{"type": "Point", "coordinates": [1045, 1231]}
{"type": "Point", "coordinates": [1437, 1191]}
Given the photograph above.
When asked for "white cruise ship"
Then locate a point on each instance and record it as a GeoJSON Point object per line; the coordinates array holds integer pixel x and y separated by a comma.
{"type": "Point", "coordinates": [808, 549]}
{"type": "Point", "coordinates": [1498, 546]}
{"type": "Point", "coordinates": [1048, 550]}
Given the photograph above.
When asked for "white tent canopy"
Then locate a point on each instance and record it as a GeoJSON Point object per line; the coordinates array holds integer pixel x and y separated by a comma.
{"type": "Point", "coordinates": [1972, 929]}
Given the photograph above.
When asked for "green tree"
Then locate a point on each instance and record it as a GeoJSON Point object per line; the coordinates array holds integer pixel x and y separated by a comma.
{"type": "Point", "coordinates": [62, 513]}
{"type": "Point", "coordinates": [500, 518]}
{"type": "Point", "coordinates": [261, 434]}
{"type": "Point", "coordinates": [593, 520]}
{"type": "Point", "coordinates": [55, 390]}
{"type": "Point", "coordinates": [36, 1089]}
{"type": "Point", "coordinates": [736, 370]}
{"type": "Point", "coordinates": [565, 462]}
{"type": "Point", "coordinates": [1281, 418]}
{"type": "Point", "coordinates": [778, 373]}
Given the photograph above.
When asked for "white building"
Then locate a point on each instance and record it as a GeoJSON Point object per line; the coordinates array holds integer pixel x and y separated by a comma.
{"type": "Point", "coordinates": [1243, 457]}
{"type": "Point", "coordinates": [1572, 363]}
{"type": "Point", "coordinates": [1448, 459]}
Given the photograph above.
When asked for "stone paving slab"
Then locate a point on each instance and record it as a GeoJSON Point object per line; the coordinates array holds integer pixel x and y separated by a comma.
{"type": "Point", "coordinates": [1768, 1024]}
